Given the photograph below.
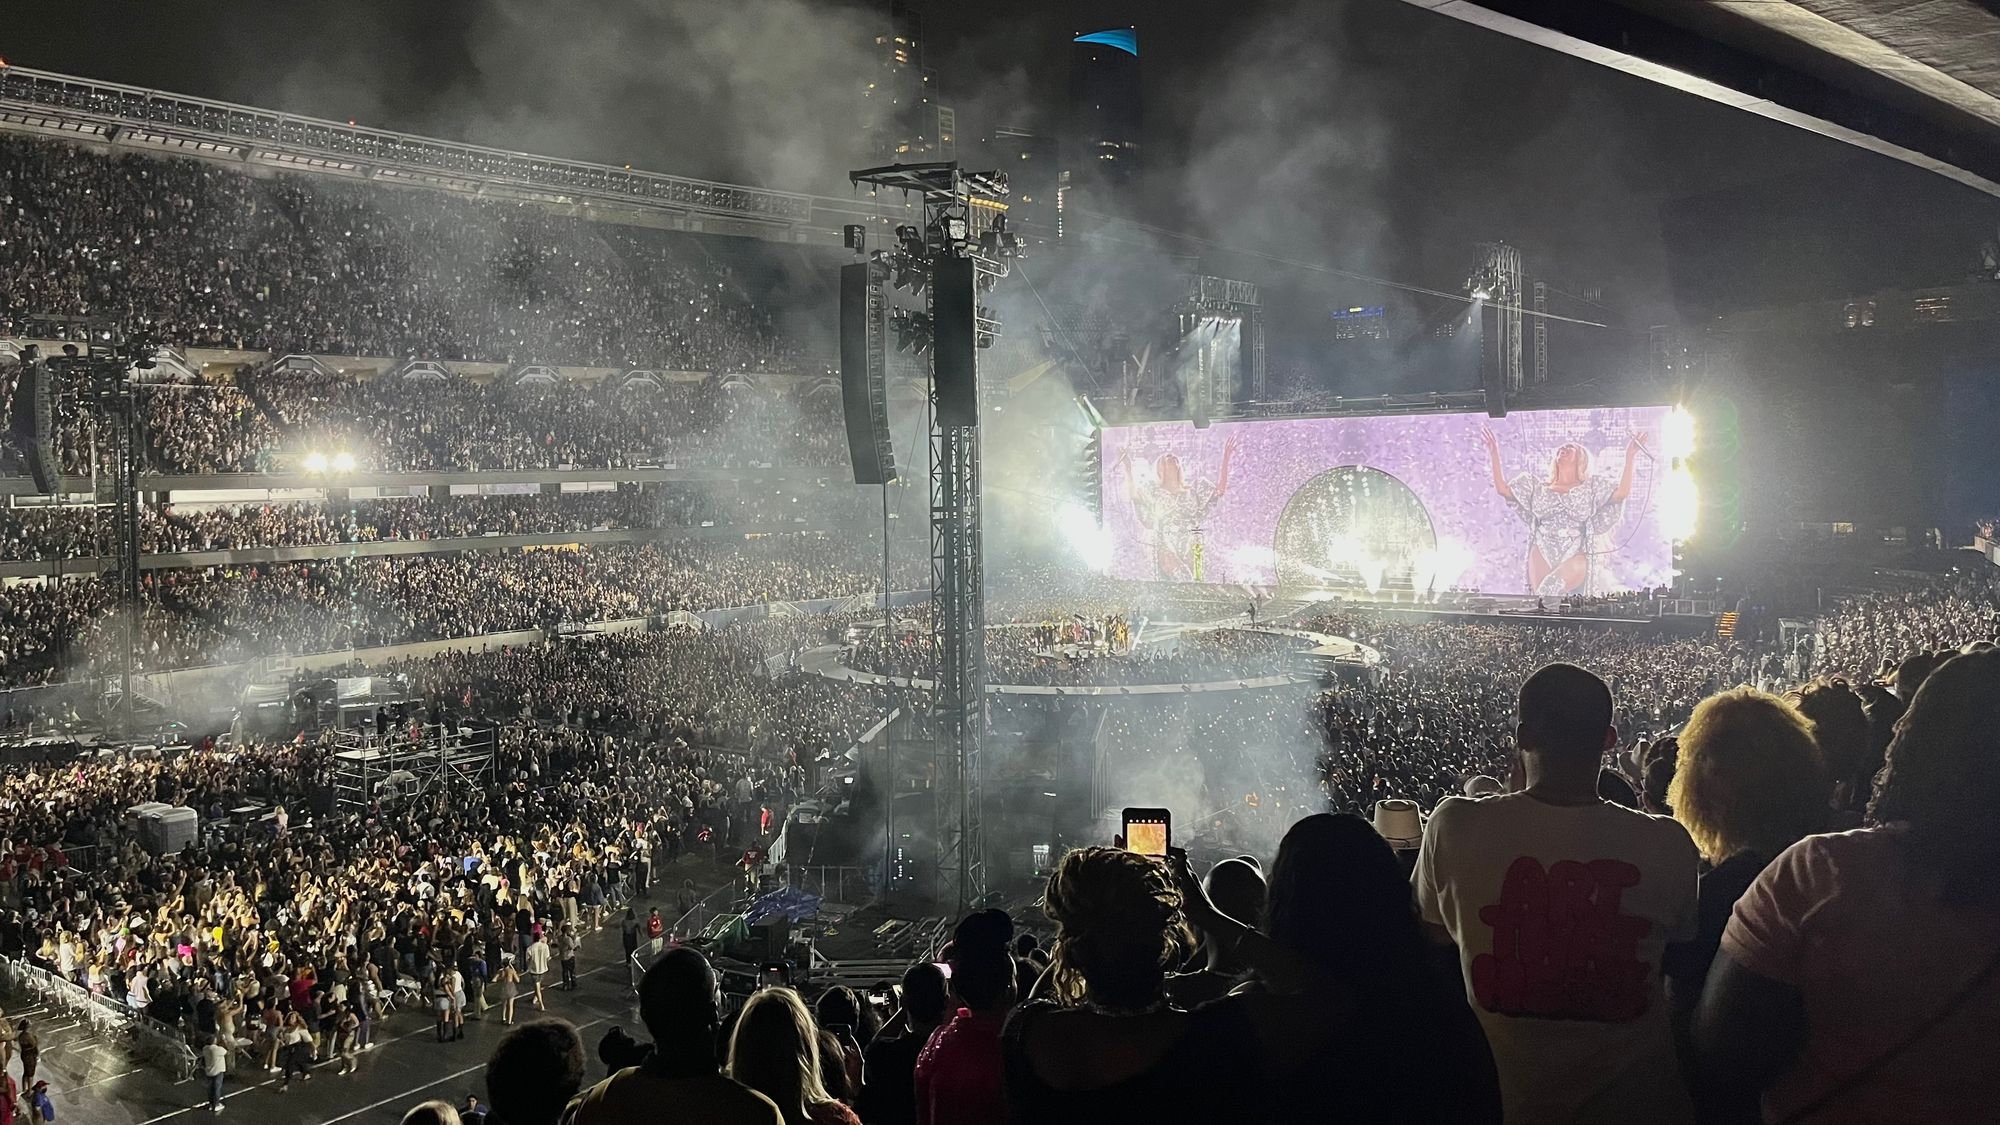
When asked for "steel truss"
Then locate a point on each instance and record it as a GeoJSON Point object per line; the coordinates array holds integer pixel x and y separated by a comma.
{"type": "Point", "coordinates": [99, 365]}
{"type": "Point", "coordinates": [957, 206]}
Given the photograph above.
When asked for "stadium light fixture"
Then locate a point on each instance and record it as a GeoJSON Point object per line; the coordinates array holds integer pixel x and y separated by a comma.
{"type": "Point", "coordinates": [315, 462]}
{"type": "Point", "coordinates": [343, 462]}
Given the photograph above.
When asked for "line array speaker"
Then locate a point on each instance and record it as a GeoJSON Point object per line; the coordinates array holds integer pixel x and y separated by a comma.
{"type": "Point", "coordinates": [864, 390]}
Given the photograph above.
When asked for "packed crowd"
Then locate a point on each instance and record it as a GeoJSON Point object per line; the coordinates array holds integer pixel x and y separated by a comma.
{"type": "Point", "coordinates": [1766, 947]}
{"type": "Point", "coordinates": [48, 532]}
{"type": "Point", "coordinates": [268, 419]}
{"type": "Point", "coordinates": [1864, 636]}
{"type": "Point", "coordinates": [55, 631]}
{"type": "Point", "coordinates": [701, 688]}
{"type": "Point", "coordinates": [324, 919]}
{"type": "Point", "coordinates": [1025, 655]}
{"type": "Point", "coordinates": [202, 255]}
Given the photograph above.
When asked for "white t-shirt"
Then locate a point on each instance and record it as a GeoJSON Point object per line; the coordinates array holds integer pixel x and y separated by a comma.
{"type": "Point", "coordinates": [1561, 915]}
{"type": "Point", "coordinates": [214, 1059]}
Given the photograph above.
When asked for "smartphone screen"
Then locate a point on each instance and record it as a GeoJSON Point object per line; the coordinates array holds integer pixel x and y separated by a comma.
{"type": "Point", "coordinates": [1148, 831]}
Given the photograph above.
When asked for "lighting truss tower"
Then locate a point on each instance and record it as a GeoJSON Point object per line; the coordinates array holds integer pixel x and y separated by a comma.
{"type": "Point", "coordinates": [956, 205]}
{"type": "Point", "coordinates": [101, 365]}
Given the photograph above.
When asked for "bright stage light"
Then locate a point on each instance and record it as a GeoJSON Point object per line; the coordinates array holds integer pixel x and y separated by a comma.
{"type": "Point", "coordinates": [1079, 529]}
{"type": "Point", "coordinates": [343, 462]}
{"type": "Point", "coordinates": [1680, 503]}
{"type": "Point", "coordinates": [1677, 434]}
{"type": "Point", "coordinates": [315, 462]}
{"type": "Point", "coordinates": [1371, 569]}
{"type": "Point", "coordinates": [1252, 556]}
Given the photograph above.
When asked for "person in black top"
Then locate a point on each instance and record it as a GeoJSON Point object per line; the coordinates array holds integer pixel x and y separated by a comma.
{"type": "Point", "coordinates": [888, 1095]}
{"type": "Point", "coordinates": [1100, 1044]}
{"type": "Point", "coordinates": [1411, 1050]}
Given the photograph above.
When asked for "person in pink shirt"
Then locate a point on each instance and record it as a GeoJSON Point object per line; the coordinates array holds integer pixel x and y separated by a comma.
{"type": "Point", "coordinates": [959, 1077]}
{"type": "Point", "coordinates": [1859, 977]}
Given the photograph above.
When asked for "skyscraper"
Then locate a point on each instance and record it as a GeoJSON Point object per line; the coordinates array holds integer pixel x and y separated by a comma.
{"type": "Point", "coordinates": [1106, 113]}
{"type": "Point", "coordinates": [900, 114]}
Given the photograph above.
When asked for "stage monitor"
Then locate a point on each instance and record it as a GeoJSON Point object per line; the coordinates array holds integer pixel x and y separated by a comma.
{"type": "Point", "coordinates": [1549, 502]}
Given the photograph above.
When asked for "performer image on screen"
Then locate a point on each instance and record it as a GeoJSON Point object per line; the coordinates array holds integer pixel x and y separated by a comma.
{"type": "Point", "coordinates": [1172, 509]}
{"type": "Point", "coordinates": [1569, 515]}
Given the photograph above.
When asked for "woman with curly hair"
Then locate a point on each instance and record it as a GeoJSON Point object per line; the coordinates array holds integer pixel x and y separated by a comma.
{"type": "Point", "coordinates": [1846, 744]}
{"type": "Point", "coordinates": [1748, 782]}
{"type": "Point", "coordinates": [1859, 977]}
{"type": "Point", "coordinates": [1102, 1043]}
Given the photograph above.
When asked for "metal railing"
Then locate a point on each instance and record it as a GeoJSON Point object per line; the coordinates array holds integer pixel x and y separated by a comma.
{"type": "Point", "coordinates": [831, 883]}
{"type": "Point", "coordinates": [149, 1040]}
{"type": "Point", "coordinates": [200, 126]}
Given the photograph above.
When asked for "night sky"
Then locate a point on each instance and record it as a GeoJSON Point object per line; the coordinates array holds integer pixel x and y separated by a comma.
{"type": "Point", "coordinates": [1364, 133]}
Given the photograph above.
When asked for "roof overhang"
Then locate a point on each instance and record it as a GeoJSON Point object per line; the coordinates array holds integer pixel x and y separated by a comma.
{"type": "Point", "coordinates": [1916, 80]}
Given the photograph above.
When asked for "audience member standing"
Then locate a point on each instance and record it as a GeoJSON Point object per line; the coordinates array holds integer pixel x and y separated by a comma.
{"type": "Point", "coordinates": [534, 1071]}
{"type": "Point", "coordinates": [888, 1093]}
{"type": "Point", "coordinates": [1561, 905]}
{"type": "Point", "coordinates": [775, 1050]}
{"type": "Point", "coordinates": [1748, 784]}
{"type": "Point", "coordinates": [958, 1074]}
{"type": "Point", "coordinates": [1859, 977]}
{"type": "Point", "coordinates": [680, 1001]}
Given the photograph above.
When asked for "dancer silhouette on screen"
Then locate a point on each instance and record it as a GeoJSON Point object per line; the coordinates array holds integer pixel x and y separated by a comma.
{"type": "Point", "coordinates": [1172, 509]}
{"type": "Point", "coordinates": [1568, 515]}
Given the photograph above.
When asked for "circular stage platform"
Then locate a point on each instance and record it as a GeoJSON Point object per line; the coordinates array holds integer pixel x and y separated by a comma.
{"type": "Point", "coordinates": [1322, 649]}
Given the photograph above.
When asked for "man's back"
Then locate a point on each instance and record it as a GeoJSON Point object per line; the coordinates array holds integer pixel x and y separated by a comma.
{"type": "Point", "coordinates": [645, 1095]}
{"type": "Point", "coordinates": [1561, 914]}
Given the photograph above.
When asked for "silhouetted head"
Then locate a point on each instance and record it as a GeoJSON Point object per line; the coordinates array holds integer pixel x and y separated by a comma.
{"type": "Point", "coordinates": [534, 1072]}
{"type": "Point", "coordinates": [1167, 471]}
{"type": "Point", "coordinates": [924, 993]}
{"type": "Point", "coordinates": [1566, 715]}
{"type": "Point", "coordinates": [1236, 889]}
{"type": "Point", "coordinates": [680, 1002]}
{"type": "Point", "coordinates": [1340, 898]}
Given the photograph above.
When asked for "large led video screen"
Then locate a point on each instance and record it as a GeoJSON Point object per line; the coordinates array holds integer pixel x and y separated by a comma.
{"type": "Point", "coordinates": [1547, 502]}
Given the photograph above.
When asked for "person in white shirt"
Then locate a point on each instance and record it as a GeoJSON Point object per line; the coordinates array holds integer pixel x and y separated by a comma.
{"type": "Point", "coordinates": [214, 1065]}
{"type": "Point", "coordinates": [1561, 906]}
{"type": "Point", "coordinates": [538, 965]}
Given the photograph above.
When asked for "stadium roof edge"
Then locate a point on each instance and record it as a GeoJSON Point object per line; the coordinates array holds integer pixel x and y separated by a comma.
{"type": "Point", "coordinates": [89, 111]}
{"type": "Point", "coordinates": [1916, 83]}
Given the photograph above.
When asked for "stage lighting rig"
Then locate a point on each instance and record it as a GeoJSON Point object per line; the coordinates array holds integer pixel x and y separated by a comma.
{"type": "Point", "coordinates": [913, 330]}
{"type": "Point", "coordinates": [958, 207]}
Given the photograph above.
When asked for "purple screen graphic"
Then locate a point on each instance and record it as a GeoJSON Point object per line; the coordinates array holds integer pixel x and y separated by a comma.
{"type": "Point", "coordinates": [1395, 501]}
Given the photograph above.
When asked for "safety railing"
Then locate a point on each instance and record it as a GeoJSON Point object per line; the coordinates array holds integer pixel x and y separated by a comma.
{"type": "Point", "coordinates": [833, 884]}
{"type": "Point", "coordinates": [150, 1041]}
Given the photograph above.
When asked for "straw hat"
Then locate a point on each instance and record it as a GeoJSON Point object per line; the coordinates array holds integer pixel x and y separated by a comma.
{"type": "Point", "coordinates": [1400, 822]}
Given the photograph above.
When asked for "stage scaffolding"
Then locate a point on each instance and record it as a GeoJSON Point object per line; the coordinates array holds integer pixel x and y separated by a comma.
{"type": "Point", "coordinates": [961, 225]}
{"type": "Point", "coordinates": [410, 762]}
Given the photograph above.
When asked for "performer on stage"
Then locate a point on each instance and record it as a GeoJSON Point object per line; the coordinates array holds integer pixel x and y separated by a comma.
{"type": "Point", "coordinates": [1570, 515]}
{"type": "Point", "coordinates": [1172, 510]}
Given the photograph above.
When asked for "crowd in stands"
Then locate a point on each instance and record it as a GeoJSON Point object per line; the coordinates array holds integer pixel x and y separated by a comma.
{"type": "Point", "coordinates": [203, 255]}
{"type": "Point", "coordinates": [1864, 636]}
{"type": "Point", "coordinates": [271, 419]}
{"type": "Point", "coordinates": [48, 532]}
{"type": "Point", "coordinates": [55, 631]}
